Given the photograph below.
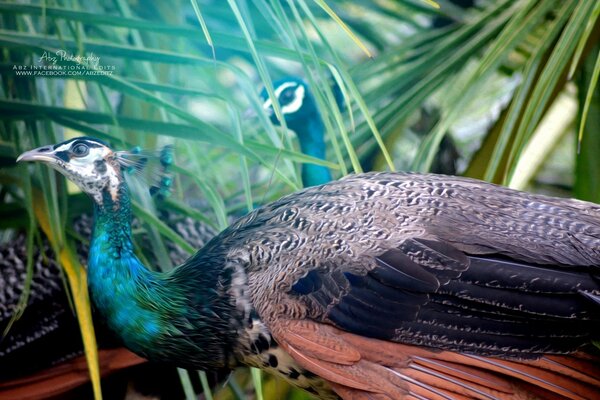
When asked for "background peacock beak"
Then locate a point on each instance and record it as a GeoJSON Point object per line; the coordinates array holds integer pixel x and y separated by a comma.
{"type": "Point", "coordinates": [268, 108]}
{"type": "Point", "coordinates": [249, 113]}
{"type": "Point", "coordinates": [44, 154]}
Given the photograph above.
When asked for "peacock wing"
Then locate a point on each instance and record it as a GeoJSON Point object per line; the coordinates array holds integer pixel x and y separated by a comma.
{"type": "Point", "coordinates": [425, 320]}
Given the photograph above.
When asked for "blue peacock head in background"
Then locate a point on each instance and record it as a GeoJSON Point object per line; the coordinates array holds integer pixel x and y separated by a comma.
{"type": "Point", "coordinates": [301, 115]}
{"type": "Point", "coordinates": [296, 101]}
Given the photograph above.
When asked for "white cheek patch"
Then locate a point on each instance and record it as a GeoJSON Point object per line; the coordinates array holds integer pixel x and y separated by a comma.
{"type": "Point", "coordinates": [268, 103]}
{"type": "Point", "coordinates": [296, 103]}
{"type": "Point", "coordinates": [84, 166]}
{"type": "Point", "coordinates": [93, 178]}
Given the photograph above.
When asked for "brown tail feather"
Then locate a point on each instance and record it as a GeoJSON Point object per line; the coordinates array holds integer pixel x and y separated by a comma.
{"type": "Point", "coordinates": [576, 366]}
{"type": "Point", "coordinates": [465, 373]}
{"type": "Point", "coordinates": [455, 385]}
{"type": "Point", "coordinates": [363, 368]}
{"type": "Point", "coordinates": [425, 388]}
{"type": "Point", "coordinates": [552, 381]}
{"type": "Point", "coordinates": [354, 394]}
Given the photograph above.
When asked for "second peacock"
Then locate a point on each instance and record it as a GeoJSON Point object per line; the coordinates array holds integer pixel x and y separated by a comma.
{"type": "Point", "coordinates": [301, 114]}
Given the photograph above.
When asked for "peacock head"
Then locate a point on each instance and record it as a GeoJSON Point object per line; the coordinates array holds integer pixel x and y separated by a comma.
{"type": "Point", "coordinates": [87, 162]}
{"type": "Point", "coordinates": [296, 101]}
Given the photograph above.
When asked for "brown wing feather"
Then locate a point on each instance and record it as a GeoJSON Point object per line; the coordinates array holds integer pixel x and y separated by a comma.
{"type": "Point", "coordinates": [385, 369]}
{"type": "Point", "coordinates": [322, 344]}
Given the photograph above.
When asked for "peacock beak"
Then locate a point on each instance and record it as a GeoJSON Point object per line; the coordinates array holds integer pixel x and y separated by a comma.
{"type": "Point", "coordinates": [44, 154]}
{"type": "Point", "coordinates": [251, 112]}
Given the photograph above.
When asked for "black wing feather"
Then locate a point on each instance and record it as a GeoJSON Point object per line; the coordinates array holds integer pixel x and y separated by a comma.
{"type": "Point", "coordinates": [411, 276]}
{"type": "Point", "coordinates": [509, 274]}
{"type": "Point", "coordinates": [430, 293]}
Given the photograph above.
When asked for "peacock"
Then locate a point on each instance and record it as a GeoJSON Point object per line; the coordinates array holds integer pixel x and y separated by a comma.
{"type": "Point", "coordinates": [301, 114]}
{"type": "Point", "coordinates": [376, 286]}
{"type": "Point", "coordinates": [39, 353]}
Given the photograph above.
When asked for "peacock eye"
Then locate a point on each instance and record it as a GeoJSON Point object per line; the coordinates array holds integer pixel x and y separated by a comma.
{"type": "Point", "coordinates": [286, 96]}
{"type": "Point", "coordinates": [80, 150]}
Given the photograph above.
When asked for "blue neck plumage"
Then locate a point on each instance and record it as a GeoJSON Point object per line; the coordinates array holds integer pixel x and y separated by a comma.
{"type": "Point", "coordinates": [114, 273]}
{"type": "Point", "coordinates": [312, 142]}
{"type": "Point", "coordinates": [153, 312]}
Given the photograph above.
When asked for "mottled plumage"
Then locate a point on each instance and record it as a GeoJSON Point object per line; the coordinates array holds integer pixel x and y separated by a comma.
{"type": "Point", "coordinates": [380, 285]}
{"type": "Point", "coordinates": [39, 329]}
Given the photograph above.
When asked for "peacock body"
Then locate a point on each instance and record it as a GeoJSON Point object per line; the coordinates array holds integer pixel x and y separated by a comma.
{"type": "Point", "coordinates": [380, 285]}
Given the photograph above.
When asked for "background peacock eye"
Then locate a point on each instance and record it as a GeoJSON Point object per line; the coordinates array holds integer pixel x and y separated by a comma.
{"type": "Point", "coordinates": [286, 96]}
{"type": "Point", "coordinates": [80, 150]}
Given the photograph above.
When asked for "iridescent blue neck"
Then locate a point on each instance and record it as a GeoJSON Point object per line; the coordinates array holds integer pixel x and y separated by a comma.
{"type": "Point", "coordinates": [174, 317]}
{"type": "Point", "coordinates": [312, 142]}
{"type": "Point", "coordinates": [115, 275]}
